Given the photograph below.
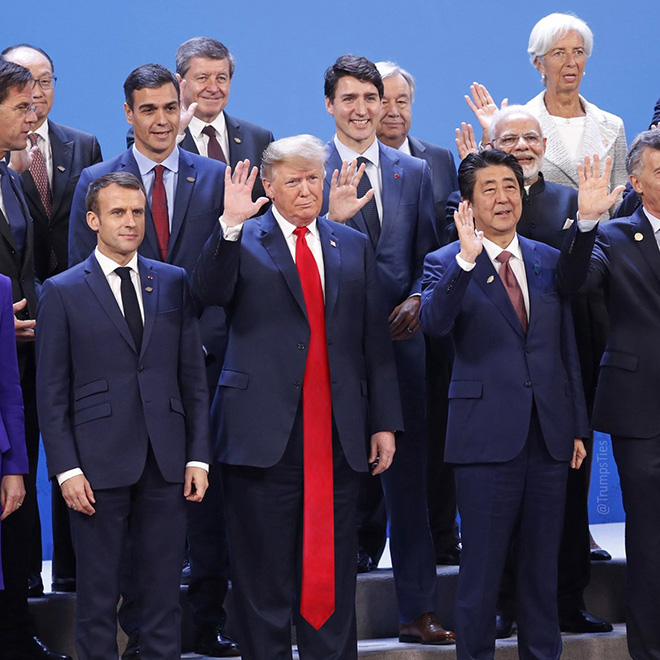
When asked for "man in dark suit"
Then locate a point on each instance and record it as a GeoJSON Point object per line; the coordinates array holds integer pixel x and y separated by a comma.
{"type": "Point", "coordinates": [49, 179]}
{"type": "Point", "coordinates": [17, 115]}
{"type": "Point", "coordinates": [123, 405]}
{"type": "Point", "coordinates": [398, 219]}
{"type": "Point", "coordinates": [623, 255]}
{"type": "Point", "coordinates": [313, 358]}
{"type": "Point", "coordinates": [393, 130]}
{"type": "Point", "coordinates": [516, 410]}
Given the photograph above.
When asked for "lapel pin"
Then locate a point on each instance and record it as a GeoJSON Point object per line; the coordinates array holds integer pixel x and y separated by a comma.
{"type": "Point", "coordinates": [61, 168]}
{"type": "Point", "coordinates": [537, 269]}
{"type": "Point", "coordinates": [191, 179]}
{"type": "Point", "coordinates": [238, 140]}
{"type": "Point", "coordinates": [333, 244]}
{"type": "Point", "coordinates": [150, 277]}
{"type": "Point", "coordinates": [148, 289]}
{"type": "Point", "coordinates": [396, 175]}
{"type": "Point", "coordinates": [639, 237]}
{"type": "Point", "coordinates": [491, 279]}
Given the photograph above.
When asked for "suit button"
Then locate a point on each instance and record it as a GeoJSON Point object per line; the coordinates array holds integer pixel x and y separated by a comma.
{"type": "Point", "coordinates": [296, 384]}
{"type": "Point", "coordinates": [140, 369]}
{"type": "Point", "coordinates": [532, 224]}
{"type": "Point", "coordinates": [528, 383]}
{"type": "Point", "coordinates": [301, 346]}
{"type": "Point", "coordinates": [528, 349]}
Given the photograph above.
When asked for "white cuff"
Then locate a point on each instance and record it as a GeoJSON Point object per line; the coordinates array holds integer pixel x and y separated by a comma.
{"type": "Point", "coordinates": [230, 233]}
{"type": "Point", "coordinates": [465, 265]}
{"type": "Point", "coordinates": [65, 476]}
{"type": "Point", "coordinates": [198, 464]}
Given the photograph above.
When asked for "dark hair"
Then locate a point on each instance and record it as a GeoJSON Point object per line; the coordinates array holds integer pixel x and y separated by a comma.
{"type": "Point", "coordinates": [356, 67]}
{"type": "Point", "coordinates": [12, 75]}
{"type": "Point", "coordinates": [122, 179]}
{"type": "Point", "coordinates": [150, 76]}
{"type": "Point", "coordinates": [645, 140]}
{"type": "Point", "coordinates": [202, 47]}
{"type": "Point", "coordinates": [9, 49]}
{"type": "Point", "coordinates": [472, 163]}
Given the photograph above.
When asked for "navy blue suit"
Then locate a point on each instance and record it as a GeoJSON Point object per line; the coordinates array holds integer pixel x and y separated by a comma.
{"type": "Point", "coordinates": [623, 256]}
{"type": "Point", "coordinates": [130, 421]}
{"type": "Point", "coordinates": [515, 406]}
{"type": "Point", "coordinates": [406, 237]}
{"type": "Point", "coordinates": [257, 414]}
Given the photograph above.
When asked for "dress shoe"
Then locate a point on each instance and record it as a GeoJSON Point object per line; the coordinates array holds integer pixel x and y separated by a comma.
{"type": "Point", "coordinates": [364, 561]}
{"type": "Point", "coordinates": [65, 584]}
{"type": "Point", "coordinates": [450, 557]}
{"type": "Point", "coordinates": [210, 641]}
{"type": "Point", "coordinates": [600, 554]}
{"type": "Point", "coordinates": [35, 586]}
{"type": "Point", "coordinates": [35, 649]}
{"type": "Point", "coordinates": [503, 626]}
{"type": "Point", "coordinates": [580, 621]}
{"type": "Point", "coordinates": [426, 629]}
{"type": "Point", "coordinates": [185, 572]}
{"type": "Point", "coordinates": [132, 650]}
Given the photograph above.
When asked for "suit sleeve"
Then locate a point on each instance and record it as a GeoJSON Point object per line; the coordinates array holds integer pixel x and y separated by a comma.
{"type": "Point", "coordinates": [584, 261]}
{"type": "Point", "coordinates": [82, 240]}
{"type": "Point", "coordinates": [97, 156]}
{"type": "Point", "coordinates": [12, 430]}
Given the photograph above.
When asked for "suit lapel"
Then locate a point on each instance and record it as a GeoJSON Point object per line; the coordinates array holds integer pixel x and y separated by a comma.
{"type": "Point", "coordinates": [331, 264]}
{"type": "Point", "coordinates": [392, 181]}
{"type": "Point", "coordinates": [188, 143]}
{"type": "Point", "coordinates": [149, 282]}
{"type": "Point", "coordinates": [62, 152]}
{"type": "Point", "coordinates": [533, 270]}
{"type": "Point", "coordinates": [648, 246]}
{"type": "Point", "coordinates": [101, 289]}
{"type": "Point", "coordinates": [184, 189]}
{"type": "Point", "coordinates": [235, 139]}
{"type": "Point", "coordinates": [275, 244]}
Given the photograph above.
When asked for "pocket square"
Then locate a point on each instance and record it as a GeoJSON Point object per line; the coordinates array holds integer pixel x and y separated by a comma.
{"type": "Point", "coordinates": [568, 223]}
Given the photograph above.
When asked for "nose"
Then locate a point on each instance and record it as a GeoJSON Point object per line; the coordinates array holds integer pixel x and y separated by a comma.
{"type": "Point", "coordinates": [360, 106]}
{"type": "Point", "coordinates": [391, 109]}
{"type": "Point", "coordinates": [31, 115]}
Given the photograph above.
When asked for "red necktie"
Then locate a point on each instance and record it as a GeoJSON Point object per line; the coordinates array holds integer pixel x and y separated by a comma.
{"type": "Point", "coordinates": [213, 148]}
{"type": "Point", "coordinates": [159, 212]}
{"type": "Point", "coordinates": [40, 175]}
{"type": "Point", "coordinates": [512, 287]}
{"type": "Point", "coordinates": [317, 598]}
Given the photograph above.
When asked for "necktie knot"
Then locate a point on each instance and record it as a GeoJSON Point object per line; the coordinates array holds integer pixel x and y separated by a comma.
{"type": "Point", "coordinates": [124, 272]}
{"type": "Point", "coordinates": [33, 139]}
{"type": "Point", "coordinates": [209, 130]}
{"type": "Point", "coordinates": [300, 232]}
{"type": "Point", "coordinates": [504, 256]}
{"type": "Point", "coordinates": [158, 172]}
{"type": "Point", "coordinates": [363, 161]}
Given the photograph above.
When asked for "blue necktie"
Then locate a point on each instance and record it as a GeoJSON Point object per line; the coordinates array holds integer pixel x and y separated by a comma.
{"type": "Point", "coordinates": [13, 210]}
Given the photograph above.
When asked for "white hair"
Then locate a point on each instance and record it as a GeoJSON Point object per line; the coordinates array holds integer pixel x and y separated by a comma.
{"type": "Point", "coordinates": [305, 149]}
{"type": "Point", "coordinates": [505, 112]}
{"type": "Point", "coordinates": [389, 69]}
{"type": "Point", "coordinates": [553, 27]}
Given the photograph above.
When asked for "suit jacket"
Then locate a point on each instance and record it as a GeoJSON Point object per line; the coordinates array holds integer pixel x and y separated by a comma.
{"type": "Point", "coordinates": [246, 140]}
{"type": "Point", "coordinates": [499, 370]}
{"type": "Point", "coordinates": [100, 402]}
{"type": "Point", "coordinates": [260, 387]}
{"type": "Point", "coordinates": [631, 202]}
{"type": "Point", "coordinates": [623, 256]}
{"type": "Point", "coordinates": [443, 174]}
{"type": "Point", "coordinates": [407, 233]}
{"type": "Point", "coordinates": [72, 152]}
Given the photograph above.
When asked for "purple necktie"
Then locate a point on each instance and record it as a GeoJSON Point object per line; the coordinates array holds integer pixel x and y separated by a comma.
{"type": "Point", "coordinates": [213, 148]}
{"type": "Point", "coordinates": [40, 175]}
{"type": "Point", "coordinates": [512, 287]}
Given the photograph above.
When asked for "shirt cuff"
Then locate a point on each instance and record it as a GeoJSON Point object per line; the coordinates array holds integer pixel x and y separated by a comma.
{"type": "Point", "coordinates": [465, 265]}
{"type": "Point", "coordinates": [585, 225]}
{"type": "Point", "coordinates": [230, 233]}
{"type": "Point", "coordinates": [65, 476]}
{"type": "Point", "coordinates": [198, 464]}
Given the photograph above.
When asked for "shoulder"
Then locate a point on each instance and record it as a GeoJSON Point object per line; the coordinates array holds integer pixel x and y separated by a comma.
{"type": "Point", "coordinates": [408, 163]}
{"type": "Point", "coordinates": [71, 134]}
{"type": "Point", "coordinates": [602, 116]}
{"type": "Point", "coordinates": [542, 249]}
{"type": "Point", "coordinates": [161, 268]}
{"type": "Point", "coordinates": [537, 104]}
{"type": "Point", "coordinates": [201, 163]}
{"type": "Point", "coordinates": [258, 132]}
{"type": "Point", "coordinates": [558, 190]}
{"type": "Point", "coordinates": [342, 232]}
{"type": "Point", "coordinates": [68, 277]}
{"type": "Point", "coordinates": [434, 149]}
{"type": "Point", "coordinates": [444, 254]}
{"type": "Point", "coordinates": [113, 164]}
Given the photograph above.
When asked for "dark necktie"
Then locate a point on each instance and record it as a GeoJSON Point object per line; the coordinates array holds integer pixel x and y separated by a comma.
{"type": "Point", "coordinates": [40, 175]}
{"type": "Point", "coordinates": [369, 210]}
{"type": "Point", "coordinates": [213, 148]}
{"type": "Point", "coordinates": [512, 287]}
{"type": "Point", "coordinates": [159, 212]}
{"type": "Point", "coordinates": [13, 210]}
{"type": "Point", "coordinates": [317, 597]}
{"type": "Point", "coordinates": [131, 306]}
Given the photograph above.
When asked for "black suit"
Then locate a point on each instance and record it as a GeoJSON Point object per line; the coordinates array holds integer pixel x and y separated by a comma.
{"type": "Point", "coordinates": [16, 624]}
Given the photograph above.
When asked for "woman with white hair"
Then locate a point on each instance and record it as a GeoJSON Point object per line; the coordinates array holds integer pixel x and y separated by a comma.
{"type": "Point", "coordinates": [559, 46]}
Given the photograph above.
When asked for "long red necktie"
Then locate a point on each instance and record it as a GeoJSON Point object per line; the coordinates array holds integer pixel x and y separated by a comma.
{"type": "Point", "coordinates": [39, 174]}
{"type": "Point", "coordinates": [512, 287]}
{"type": "Point", "coordinates": [159, 212]}
{"type": "Point", "coordinates": [317, 598]}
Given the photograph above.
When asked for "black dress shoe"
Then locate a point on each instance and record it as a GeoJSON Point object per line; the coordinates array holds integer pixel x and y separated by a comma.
{"type": "Point", "coordinates": [503, 626]}
{"type": "Point", "coordinates": [600, 554]}
{"type": "Point", "coordinates": [35, 586]}
{"type": "Point", "coordinates": [132, 650]}
{"type": "Point", "coordinates": [210, 641]}
{"type": "Point", "coordinates": [37, 650]}
{"type": "Point", "coordinates": [65, 584]}
{"type": "Point", "coordinates": [364, 561]}
{"type": "Point", "coordinates": [450, 557]}
{"type": "Point", "coordinates": [580, 621]}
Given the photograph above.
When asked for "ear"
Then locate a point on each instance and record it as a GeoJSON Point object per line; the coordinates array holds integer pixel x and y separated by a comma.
{"type": "Point", "coordinates": [545, 143]}
{"type": "Point", "coordinates": [178, 78]}
{"type": "Point", "coordinates": [93, 221]}
{"type": "Point", "coordinates": [328, 106]}
{"type": "Point", "coordinates": [268, 188]}
{"type": "Point", "coordinates": [538, 63]}
{"type": "Point", "coordinates": [129, 113]}
{"type": "Point", "coordinates": [636, 184]}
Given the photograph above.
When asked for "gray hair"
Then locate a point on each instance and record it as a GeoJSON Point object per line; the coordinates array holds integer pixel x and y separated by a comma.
{"type": "Point", "coordinates": [202, 47]}
{"type": "Point", "coordinates": [503, 113]}
{"type": "Point", "coordinates": [645, 140]}
{"type": "Point", "coordinates": [553, 27]}
{"type": "Point", "coordinates": [304, 148]}
{"type": "Point", "coordinates": [389, 69]}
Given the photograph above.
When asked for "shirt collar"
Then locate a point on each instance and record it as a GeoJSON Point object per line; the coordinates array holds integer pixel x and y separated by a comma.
{"type": "Point", "coordinates": [405, 147]}
{"type": "Point", "coordinates": [145, 165]}
{"type": "Point", "coordinates": [372, 154]}
{"type": "Point", "coordinates": [493, 250]}
{"type": "Point", "coordinates": [196, 126]}
{"type": "Point", "coordinates": [655, 222]}
{"type": "Point", "coordinates": [288, 228]}
{"type": "Point", "coordinates": [42, 132]}
{"type": "Point", "coordinates": [109, 266]}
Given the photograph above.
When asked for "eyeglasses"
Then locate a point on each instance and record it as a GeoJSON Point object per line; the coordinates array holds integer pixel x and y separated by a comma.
{"type": "Point", "coordinates": [25, 110]}
{"type": "Point", "coordinates": [45, 83]}
{"type": "Point", "coordinates": [532, 139]}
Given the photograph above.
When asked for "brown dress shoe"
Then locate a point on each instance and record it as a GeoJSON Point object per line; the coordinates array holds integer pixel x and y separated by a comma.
{"type": "Point", "coordinates": [426, 629]}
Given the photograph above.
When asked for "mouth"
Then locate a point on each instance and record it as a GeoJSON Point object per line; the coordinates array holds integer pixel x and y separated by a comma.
{"type": "Point", "coordinates": [360, 122]}
{"type": "Point", "coordinates": [162, 134]}
{"type": "Point", "coordinates": [570, 77]}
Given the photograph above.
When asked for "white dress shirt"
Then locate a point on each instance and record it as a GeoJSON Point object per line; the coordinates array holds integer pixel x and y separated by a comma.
{"type": "Point", "coordinates": [196, 127]}
{"type": "Point", "coordinates": [170, 176]}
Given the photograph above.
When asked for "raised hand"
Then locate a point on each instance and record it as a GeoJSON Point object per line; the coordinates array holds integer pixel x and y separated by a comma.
{"type": "Point", "coordinates": [21, 160]}
{"type": "Point", "coordinates": [594, 196]}
{"type": "Point", "coordinates": [186, 114]}
{"type": "Point", "coordinates": [471, 240]}
{"type": "Point", "coordinates": [24, 330]}
{"type": "Point", "coordinates": [465, 140]}
{"type": "Point", "coordinates": [238, 194]}
{"type": "Point", "coordinates": [344, 202]}
{"type": "Point", "coordinates": [484, 107]}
